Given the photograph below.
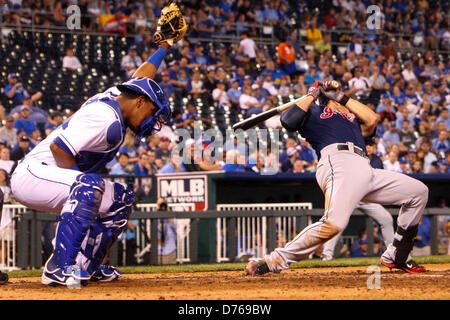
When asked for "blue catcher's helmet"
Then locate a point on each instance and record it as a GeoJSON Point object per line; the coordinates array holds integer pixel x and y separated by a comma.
{"type": "Point", "coordinates": [150, 89]}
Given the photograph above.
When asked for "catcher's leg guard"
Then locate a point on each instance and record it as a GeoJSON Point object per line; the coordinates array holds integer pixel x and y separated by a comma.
{"type": "Point", "coordinates": [103, 233]}
{"type": "Point", "coordinates": [77, 216]}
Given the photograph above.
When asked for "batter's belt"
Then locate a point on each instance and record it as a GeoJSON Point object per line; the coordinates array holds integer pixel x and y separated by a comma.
{"type": "Point", "coordinates": [356, 149]}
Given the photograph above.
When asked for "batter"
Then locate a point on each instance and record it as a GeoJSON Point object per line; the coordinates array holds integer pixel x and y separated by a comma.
{"type": "Point", "coordinates": [336, 129]}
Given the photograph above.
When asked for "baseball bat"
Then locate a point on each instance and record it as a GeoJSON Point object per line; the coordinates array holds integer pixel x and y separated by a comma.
{"type": "Point", "coordinates": [261, 117]}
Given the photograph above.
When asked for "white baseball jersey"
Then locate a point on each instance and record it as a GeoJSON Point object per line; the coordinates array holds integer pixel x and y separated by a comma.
{"type": "Point", "coordinates": [92, 135]}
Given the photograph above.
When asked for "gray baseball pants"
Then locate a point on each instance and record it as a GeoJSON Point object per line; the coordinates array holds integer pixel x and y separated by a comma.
{"type": "Point", "coordinates": [347, 178]}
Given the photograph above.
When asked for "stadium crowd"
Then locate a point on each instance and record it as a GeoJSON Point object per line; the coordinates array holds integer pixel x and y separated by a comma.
{"type": "Point", "coordinates": [401, 71]}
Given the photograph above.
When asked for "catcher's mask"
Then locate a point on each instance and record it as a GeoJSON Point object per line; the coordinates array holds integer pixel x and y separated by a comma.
{"type": "Point", "coordinates": [150, 89]}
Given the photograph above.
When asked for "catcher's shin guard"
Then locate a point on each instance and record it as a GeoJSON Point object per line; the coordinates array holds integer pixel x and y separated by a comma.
{"type": "Point", "coordinates": [79, 212]}
{"type": "Point", "coordinates": [105, 231]}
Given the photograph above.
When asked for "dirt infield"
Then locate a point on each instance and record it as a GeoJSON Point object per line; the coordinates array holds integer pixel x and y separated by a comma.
{"type": "Point", "coordinates": [295, 284]}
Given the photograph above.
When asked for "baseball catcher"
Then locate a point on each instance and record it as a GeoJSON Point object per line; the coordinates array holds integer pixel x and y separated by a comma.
{"type": "Point", "coordinates": [59, 175]}
{"type": "Point", "coordinates": [336, 126]}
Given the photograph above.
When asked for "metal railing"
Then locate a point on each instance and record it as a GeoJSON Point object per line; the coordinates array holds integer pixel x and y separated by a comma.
{"type": "Point", "coordinates": [251, 238]}
{"type": "Point", "coordinates": [28, 236]}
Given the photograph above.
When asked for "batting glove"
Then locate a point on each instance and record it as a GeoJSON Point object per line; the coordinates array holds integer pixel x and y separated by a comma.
{"type": "Point", "coordinates": [314, 91]}
{"type": "Point", "coordinates": [334, 94]}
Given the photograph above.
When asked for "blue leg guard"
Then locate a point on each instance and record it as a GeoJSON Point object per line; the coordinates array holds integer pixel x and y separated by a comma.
{"type": "Point", "coordinates": [103, 233]}
{"type": "Point", "coordinates": [78, 214]}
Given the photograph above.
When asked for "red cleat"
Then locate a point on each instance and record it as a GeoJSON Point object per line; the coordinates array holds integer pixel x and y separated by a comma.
{"type": "Point", "coordinates": [409, 266]}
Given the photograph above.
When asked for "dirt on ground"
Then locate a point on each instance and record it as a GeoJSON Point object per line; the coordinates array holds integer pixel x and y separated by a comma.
{"type": "Point", "coordinates": [294, 284]}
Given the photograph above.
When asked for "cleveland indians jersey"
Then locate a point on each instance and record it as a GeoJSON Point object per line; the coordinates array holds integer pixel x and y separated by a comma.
{"type": "Point", "coordinates": [324, 125]}
{"type": "Point", "coordinates": [92, 135]}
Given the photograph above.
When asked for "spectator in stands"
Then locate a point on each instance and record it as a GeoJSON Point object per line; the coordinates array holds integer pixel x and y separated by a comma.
{"type": "Point", "coordinates": [374, 159]}
{"type": "Point", "coordinates": [199, 59]}
{"type": "Point", "coordinates": [5, 162]}
{"type": "Point", "coordinates": [391, 136]}
{"type": "Point", "coordinates": [313, 34]}
{"type": "Point", "coordinates": [286, 56]}
{"type": "Point", "coordinates": [8, 133]}
{"type": "Point", "coordinates": [247, 47]}
{"type": "Point", "coordinates": [24, 123]}
{"type": "Point", "coordinates": [404, 165]}
{"type": "Point", "coordinates": [441, 143]}
{"type": "Point", "coordinates": [359, 84]}
{"type": "Point", "coordinates": [443, 167]}
{"type": "Point", "coordinates": [21, 149]}
{"type": "Point", "coordinates": [162, 153]}
{"type": "Point", "coordinates": [167, 236]}
{"type": "Point", "coordinates": [247, 100]}
{"type": "Point", "coordinates": [235, 162]}
{"type": "Point", "coordinates": [120, 168]}
{"type": "Point", "coordinates": [54, 120]}
{"type": "Point", "coordinates": [70, 61]}
{"type": "Point", "coordinates": [323, 45]}
{"type": "Point", "coordinates": [234, 92]}
{"type": "Point", "coordinates": [391, 163]}
{"type": "Point", "coordinates": [131, 61]}
{"type": "Point", "coordinates": [220, 95]}
{"type": "Point", "coordinates": [129, 147]}
{"type": "Point", "coordinates": [197, 88]}
{"type": "Point", "coordinates": [389, 50]}
{"type": "Point", "coordinates": [271, 15]}
{"type": "Point", "coordinates": [361, 250]}
{"type": "Point", "coordinates": [288, 164]}
{"type": "Point", "coordinates": [166, 86]}
{"type": "Point", "coordinates": [422, 239]}
{"type": "Point", "coordinates": [142, 166]}
{"type": "Point", "coordinates": [308, 155]}
{"type": "Point", "coordinates": [117, 23]}
{"type": "Point", "coordinates": [429, 156]}
{"type": "Point", "coordinates": [204, 26]}
{"type": "Point", "coordinates": [443, 117]}
{"type": "Point", "coordinates": [17, 92]}
{"type": "Point", "coordinates": [406, 134]}
{"type": "Point", "coordinates": [209, 82]}
{"type": "Point", "coordinates": [312, 76]}
{"type": "Point", "coordinates": [106, 15]}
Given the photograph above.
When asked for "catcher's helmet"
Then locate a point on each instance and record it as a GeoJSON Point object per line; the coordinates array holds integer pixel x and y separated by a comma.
{"type": "Point", "coordinates": [150, 89]}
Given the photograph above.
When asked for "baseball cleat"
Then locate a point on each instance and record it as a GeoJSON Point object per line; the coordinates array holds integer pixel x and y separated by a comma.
{"type": "Point", "coordinates": [71, 276]}
{"type": "Point", "coordinates": [410, 266]}
{"type": "Point", "coordinates": [106, 274]}
{"type": "Point", "coordinates": [3, 278]}
{"type": "Point", "coordinates": [256, 268]}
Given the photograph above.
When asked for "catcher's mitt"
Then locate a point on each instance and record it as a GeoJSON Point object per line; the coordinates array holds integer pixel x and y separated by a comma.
{"type": "Point", "coordinates": [171, 25]}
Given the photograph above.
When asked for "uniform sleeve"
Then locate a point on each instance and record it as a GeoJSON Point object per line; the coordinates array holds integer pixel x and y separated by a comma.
{"type": "Point", "coordinates": [94, 128]}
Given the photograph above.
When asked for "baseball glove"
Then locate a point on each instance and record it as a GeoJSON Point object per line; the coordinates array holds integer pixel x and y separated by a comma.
{"type": "Point", "coordinates": [171, 25]}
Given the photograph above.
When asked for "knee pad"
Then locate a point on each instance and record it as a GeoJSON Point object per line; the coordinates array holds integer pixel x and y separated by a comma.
{"type": "Point", "coordinates": [105, 230]}
{"type": "Point", "coordinates": [78, 214]}
{"type": "Point", "coordinates": [404, 242]}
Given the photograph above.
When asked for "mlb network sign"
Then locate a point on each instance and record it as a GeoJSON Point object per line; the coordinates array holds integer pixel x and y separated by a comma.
{"type": "Point", "coordinates": [184, 189]}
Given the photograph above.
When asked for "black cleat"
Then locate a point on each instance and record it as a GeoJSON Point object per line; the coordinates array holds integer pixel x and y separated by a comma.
{"type": "Point", "coordinates": [256, 268]}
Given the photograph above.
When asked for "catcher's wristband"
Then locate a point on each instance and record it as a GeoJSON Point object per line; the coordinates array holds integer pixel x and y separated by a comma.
{"type": "Point", "coordinates": [157, 57]}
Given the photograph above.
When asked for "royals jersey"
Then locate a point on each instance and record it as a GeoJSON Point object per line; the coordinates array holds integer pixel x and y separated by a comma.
{"type": "Point", "coordinates": [93, 134]}
{"type": "Point", "coordinates": [324, 125]}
